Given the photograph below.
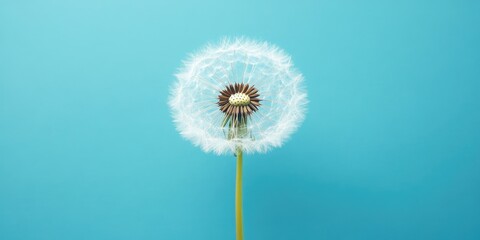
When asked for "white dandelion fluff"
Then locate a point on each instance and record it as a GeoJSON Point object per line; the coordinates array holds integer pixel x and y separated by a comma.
{"type": "Point", "coordinates": [238, 94]}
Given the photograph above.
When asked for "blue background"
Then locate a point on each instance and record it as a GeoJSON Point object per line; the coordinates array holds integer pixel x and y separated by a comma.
{"type": "Point", "coordinates": [390, 148]}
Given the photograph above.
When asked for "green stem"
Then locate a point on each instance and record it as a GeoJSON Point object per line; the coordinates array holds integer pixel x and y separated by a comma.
{"type": "Point", "coordinates": [238, 196]}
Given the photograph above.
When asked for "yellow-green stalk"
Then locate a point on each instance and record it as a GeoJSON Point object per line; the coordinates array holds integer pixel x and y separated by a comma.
{"type": "Point", "coordinates": [238, 196]}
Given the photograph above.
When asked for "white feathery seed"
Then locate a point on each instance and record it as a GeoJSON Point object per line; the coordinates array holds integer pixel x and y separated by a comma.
{"type": "Point", "coordinates": [194, 96]}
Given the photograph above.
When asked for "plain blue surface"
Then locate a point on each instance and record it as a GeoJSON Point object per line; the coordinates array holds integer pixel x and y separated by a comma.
{"type": "Point", "coordinates": [390, 148]}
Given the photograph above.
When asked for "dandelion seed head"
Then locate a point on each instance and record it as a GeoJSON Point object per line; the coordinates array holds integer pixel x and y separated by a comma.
{"type": "Point", "coordinates": [238, 93]}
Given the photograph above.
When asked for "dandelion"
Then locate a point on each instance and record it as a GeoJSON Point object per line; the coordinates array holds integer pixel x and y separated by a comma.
{"type": "Point", "coordinates": [239, 96]}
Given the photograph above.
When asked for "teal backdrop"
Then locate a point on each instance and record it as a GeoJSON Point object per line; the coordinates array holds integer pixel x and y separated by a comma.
{"type": "Point", "coordinates": [390, 148]}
